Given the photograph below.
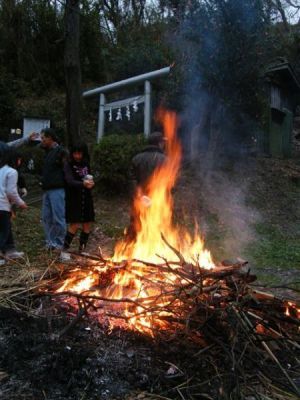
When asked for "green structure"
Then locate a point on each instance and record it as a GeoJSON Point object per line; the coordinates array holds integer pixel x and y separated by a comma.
{"type": "Point", "coordinates": [283, 89]}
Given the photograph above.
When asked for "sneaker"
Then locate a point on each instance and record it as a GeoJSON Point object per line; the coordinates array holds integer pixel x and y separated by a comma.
{"type": "Point", "coordinates": [64, 256]}
{"type": "Point", "coordinates": [50, 248]}
{"type": "Point", "coordinates": [13, 254]}
{"type": "Point", "coordinates": [81, 248]}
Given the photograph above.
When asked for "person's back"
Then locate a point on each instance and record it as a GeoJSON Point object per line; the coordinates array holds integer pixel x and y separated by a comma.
{"type": "Point", "coordinates": [8, 180]}
{"type": "Point", "coordinates": [144, 163]}
{"type": "Point", "coordinates": [143, 166]}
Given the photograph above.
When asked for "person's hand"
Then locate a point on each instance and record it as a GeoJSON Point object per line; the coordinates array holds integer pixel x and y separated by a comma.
{"type": "Point", "coordinates": [88, 184]}
{"type": "Point", "coordinates": [34, 136]}
{"type": "Point", "coordinates": [23, 206]}
{"type": "Point", "coordinates": [23, 192]}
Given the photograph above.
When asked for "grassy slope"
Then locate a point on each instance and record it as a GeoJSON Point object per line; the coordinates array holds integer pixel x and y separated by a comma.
{"type": "Point", "coordinates": [276, 193]}
{"type": "Point", "coordinates": [257, 217]}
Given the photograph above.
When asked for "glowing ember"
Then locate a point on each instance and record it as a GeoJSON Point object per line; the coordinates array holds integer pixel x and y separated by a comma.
{"type": "Point", "coordinates": [153, 218]}
{"type": "Point", "coordinates": [291, 310]}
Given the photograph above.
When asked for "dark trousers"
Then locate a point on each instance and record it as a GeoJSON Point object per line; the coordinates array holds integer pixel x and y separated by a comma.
{"type": "Point", "coordinates": [6, 237]}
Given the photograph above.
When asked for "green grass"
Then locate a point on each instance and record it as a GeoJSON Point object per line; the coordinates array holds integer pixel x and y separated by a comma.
{"type": "Point", "coordinates": [275, 256]}
{"type": "Point", "coordinates": [111, 218]}
{"type": "Point", "coordinates": [275, 248]}
{"type": "Point", "coordinates": [28, 231]}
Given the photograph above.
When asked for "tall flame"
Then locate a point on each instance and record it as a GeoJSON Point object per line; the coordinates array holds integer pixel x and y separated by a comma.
{"type": "Point", "coordinates": [155, 219]}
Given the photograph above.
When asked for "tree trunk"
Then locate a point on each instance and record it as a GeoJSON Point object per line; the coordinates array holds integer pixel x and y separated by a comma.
{"type": "Point", "coordinates": [283, 16]}
{"type": "Point", "coordinates": [72, 71]}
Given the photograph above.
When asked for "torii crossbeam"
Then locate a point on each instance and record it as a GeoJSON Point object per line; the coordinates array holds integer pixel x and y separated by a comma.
{"type": "Point", "coordinates": [146, 98]}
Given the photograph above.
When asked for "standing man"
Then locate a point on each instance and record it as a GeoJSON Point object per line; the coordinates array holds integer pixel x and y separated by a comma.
{"type": "Point", "coordinates": [144, 163]}
{"type": "Point", "coordinates": [53, 206]}
{"type": "Point", "coordinates": [143, 166]}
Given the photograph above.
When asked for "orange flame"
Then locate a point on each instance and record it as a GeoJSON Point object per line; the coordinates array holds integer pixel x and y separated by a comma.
{"type": "Point", "coordinates": [155, 217]}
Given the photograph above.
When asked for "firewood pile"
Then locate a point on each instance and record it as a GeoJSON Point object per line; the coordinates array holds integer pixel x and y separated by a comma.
{"type": "Point", "coordinates": [252, 335]}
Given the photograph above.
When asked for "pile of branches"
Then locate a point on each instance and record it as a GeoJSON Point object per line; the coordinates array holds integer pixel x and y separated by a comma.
{"type": "Point", "coordinates": [254, 334]}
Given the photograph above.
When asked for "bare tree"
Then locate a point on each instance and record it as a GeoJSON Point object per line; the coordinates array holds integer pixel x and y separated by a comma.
{"type": "Point", "coordinates": [286, 9]}
{"type": "Point", "coordinates": [281, 11]}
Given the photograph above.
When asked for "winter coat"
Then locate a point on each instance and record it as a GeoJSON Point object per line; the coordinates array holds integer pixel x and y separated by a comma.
{"type": "Point", "coordinates": [79, 200]}
{"type": "Point", "coordinates": [8, 188]}
{"type": "Point", "coordinates": [145, 162]}
{"type": "Point", "coordinates": [53, 174]}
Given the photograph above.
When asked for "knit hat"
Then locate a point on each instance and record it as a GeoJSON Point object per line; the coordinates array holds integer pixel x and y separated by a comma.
{"type": "Point", "coordinates": [155, 138]}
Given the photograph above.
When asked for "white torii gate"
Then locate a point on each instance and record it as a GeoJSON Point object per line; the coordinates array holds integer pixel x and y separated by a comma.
{"type": "Point", "coordinates": [146, 98]}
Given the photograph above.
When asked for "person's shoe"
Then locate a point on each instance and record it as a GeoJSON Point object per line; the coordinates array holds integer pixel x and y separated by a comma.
{"type": "Point", "coordinates": [82, 248]}
{"type": "Point", "coordinates": [2, 262]}
{"type": "Point", "coordinates": [64, 256]}
{"type": "Point", "coordinates": [14, 254]}
{"type": "Point", "coordinates": [50, 248]}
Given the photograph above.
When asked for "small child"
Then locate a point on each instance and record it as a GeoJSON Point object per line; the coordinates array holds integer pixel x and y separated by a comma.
{"type": "Point", "coordinates": [79, 200]}
{"type": "Point", "coordinates": [8, 196]}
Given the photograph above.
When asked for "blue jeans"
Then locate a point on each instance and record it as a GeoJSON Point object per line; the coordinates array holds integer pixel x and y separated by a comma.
{"type": "Point", "coordinates": [53, 217]}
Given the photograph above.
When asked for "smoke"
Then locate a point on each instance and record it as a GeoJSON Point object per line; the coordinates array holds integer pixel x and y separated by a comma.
{"type": "Point", "coordinates": [219, 54]}
{"type": "Point", "coordinates": [226, 196]}
{"type": "Point", "coordinates": [222, 51]}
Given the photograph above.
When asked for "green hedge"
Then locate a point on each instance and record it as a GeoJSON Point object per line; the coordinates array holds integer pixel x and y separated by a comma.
{"type": "Point", "coordinates": [35, 153]}
{"type": "Point", "coordinates": [112, 159]}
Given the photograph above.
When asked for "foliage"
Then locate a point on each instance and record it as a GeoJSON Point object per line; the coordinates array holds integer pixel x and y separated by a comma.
{"type": "Point", "coordinates": [225, 46]}
{"type": "Point", "coordinates": [7, 102]}
{"type": "Point", "coordinates": [28, 239]}
{"type": "Point", "coordinates": [111, 161]}
{"type": "Point", "coordinates": [34, 153]}
{"type": "Point", "coordinates": [140, 51]}
{"type": "Point", "coordinates": [31, 34]}
{"type": "Point", "coordinates": [218, 45]}
{"type": "Point", "coordinates": [94, 44]}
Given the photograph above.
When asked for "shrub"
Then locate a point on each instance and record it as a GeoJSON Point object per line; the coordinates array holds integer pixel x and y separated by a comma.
{"type": "Point", "coordinates": [35, 153]}
{"type": "Point", "coordinates": [111, 161]}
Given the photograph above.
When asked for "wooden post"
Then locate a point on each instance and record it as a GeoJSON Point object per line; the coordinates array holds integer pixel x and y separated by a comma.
{"type": "Point", "coordinates": [147, 109]}
{"type": "Point", "coordinates": [101, 117]}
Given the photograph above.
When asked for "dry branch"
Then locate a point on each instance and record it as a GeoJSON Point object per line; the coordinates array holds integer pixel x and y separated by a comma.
{"type": "Point", "coordinates": [215, 309]}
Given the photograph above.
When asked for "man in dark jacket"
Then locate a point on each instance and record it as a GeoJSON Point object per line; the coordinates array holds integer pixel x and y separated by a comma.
{"type": "Point", "coordinates": [53, 207]}
{"type": "Point", "coordinates": [152, 156]}
{"type": "Point", "coordinates": [142, 167]}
